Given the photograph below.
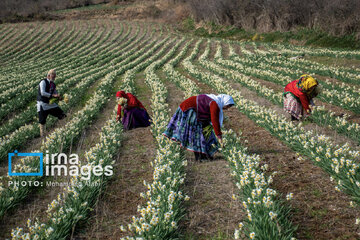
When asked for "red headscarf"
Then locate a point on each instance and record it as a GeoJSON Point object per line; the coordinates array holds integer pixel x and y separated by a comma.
{"type": "Point", "coordinates": [132, 101]}
{"type": "Point", "coordinates": [121, 94]}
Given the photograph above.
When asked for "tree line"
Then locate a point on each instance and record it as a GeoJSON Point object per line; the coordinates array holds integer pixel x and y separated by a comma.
{"type": "Point", "coordinates": [337, 17]}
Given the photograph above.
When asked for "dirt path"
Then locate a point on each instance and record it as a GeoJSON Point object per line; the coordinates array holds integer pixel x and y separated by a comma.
{"type": "Point", "coordinates": [225, 50]}
{"type": "Point", "coordinates": [354, 118]}
{"type": "Point", "coordinates": [35, 143]}
{"type": "Point", "coordinates": [122, 194]}
{"type": "Point", "coordinates": [38, 201]}
{"type": "Point", "coordinates": [337, 138]}
{"type": "Point", "coordinates": [335, 81]}
{"type": "Point", "coordinates": [338, 110]}
{"type": "Point", "coordinates": [334, 62]}
{"type": "Point", "coordinates": [320, 211]}
{"type": "Point", "coordinates": [212, 213]}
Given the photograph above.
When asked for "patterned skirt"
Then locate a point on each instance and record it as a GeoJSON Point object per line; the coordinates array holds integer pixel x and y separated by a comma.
{"type": "Point", "coordinates": [185, 129]}
{"type": "Point", "coordinates": [293, 107]}
{"type": "Point", "coordinates": [135, 118]}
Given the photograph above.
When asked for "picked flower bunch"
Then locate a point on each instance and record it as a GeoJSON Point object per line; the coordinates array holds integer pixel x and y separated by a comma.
{"type": "Point", "coordinates": [122, 101]}
{"type": "Point", "coordinates": [57, 100]}
{"type": "Point", "coordinates": [207, 131]}
{"type": "Point", "coordinates": [66, 98]}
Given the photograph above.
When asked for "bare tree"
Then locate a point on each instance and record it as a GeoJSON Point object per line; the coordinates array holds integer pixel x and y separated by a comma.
{"type": "Point", "coordinates": [337, 17]}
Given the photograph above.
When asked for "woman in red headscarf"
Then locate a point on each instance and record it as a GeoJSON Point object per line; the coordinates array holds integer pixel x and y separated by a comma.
{"type": "Point", "coordinates": [135, 114]}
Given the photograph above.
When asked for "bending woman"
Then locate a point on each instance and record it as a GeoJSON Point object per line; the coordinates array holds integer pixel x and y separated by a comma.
{"type": "Point", "coordinates": [135, 114]}
{"type": "Point", "coordinates": [193, 121]}
{"type": "Point", "coordinates": [298, 96]}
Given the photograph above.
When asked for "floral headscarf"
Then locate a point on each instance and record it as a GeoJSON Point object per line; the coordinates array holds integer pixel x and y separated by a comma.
{"type": "Point", "coordinates": [306, 82]}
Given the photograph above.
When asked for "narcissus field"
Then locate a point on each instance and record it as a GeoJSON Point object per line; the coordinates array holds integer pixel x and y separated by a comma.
{"type": "Point", "coordinates": [272, 178]}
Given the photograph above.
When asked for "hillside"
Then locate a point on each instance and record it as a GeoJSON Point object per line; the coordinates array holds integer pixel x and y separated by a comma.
{"type": "Point", "coordinates": [272, 178]}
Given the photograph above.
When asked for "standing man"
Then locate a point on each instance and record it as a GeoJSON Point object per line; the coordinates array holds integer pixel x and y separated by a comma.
{"type": "Point", "coordinates": [47, 90]}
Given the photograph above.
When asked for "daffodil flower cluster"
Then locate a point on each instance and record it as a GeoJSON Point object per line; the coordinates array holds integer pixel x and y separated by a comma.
{"type": "Point", "coordinates": [32, 68]}
{"type": "Point", "coordinates": [320, 115]}
{"type": "Point", "coordinates": [9, 33]}
{"type": "Point", "coordinates": [72, 66]}
{"type": "Point", "coordinates": [267, 216]}
{"type": "Point", "coordinates": [338, 123]}
{"type": "Point", "coordinates": [341, 162]}
{"type": "Point", "coordinates": [62, 137]}
{"type": "Point", "coordinates": [35, 36]}
{"type": "Point", "coordinates": [28, 85]}
{"type": "Point", "coordinates": [69, 208]}
{"type": "Point", "coordinates": [188, 86]}
{"type": "Point", "coordinates": [275, 70]}
{"type": "Point", "coordinates": [297, 50]}
{"type": "Point", "coordinates": [160, 215]}
{"type": "Point", "coordinates": [84, 43]}
{"type": "Point", "coordinates": [129, 76]}
{"type": "Point", "coordinates": [18, 137]}
{"type": "Point", "coordinates": [122, 101]}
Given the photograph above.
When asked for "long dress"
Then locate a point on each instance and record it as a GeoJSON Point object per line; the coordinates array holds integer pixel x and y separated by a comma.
{"type": "Point", "coordinates": [298, 96]}
{"type": "Point", "coordinates": [295, 101]}
{"type": "Point", "coordinates": [187, 124]}
{"type": "Point", "coordinates": [135, 114]}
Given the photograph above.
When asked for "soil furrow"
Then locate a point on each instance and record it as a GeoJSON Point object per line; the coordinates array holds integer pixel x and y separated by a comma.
{"type": "Point", "coordinates": [320, 211]}
{"type": "Point", "coordinates": [211, 211]}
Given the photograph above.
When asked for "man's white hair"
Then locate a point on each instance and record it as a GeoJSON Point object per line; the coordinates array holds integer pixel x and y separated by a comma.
{"type": "Point", "coordinates": [52, 72]}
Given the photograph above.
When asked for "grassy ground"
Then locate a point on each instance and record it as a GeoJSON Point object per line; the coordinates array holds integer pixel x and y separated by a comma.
{"type": "Point", "coordinates": [335, 62]}
{"type": "Point", "coordinates": [302, 36]}
{"type": "Point", "coordinates": [102, 6]}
